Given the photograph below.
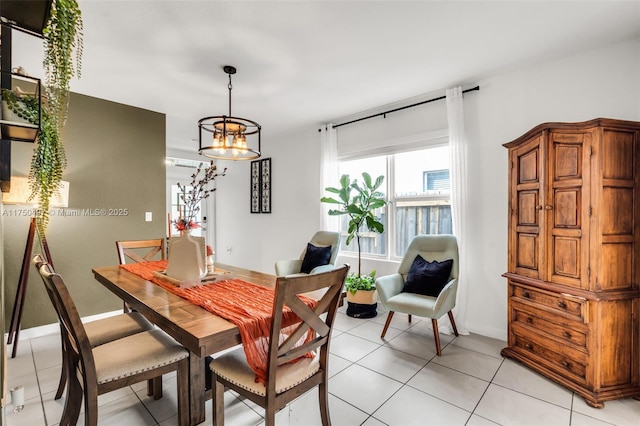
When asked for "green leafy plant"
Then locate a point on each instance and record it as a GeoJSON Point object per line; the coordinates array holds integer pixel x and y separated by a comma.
{"type": "Point", "coordinates": [63, 56]}
{"type": "Point", "coordinates": [358, 201]}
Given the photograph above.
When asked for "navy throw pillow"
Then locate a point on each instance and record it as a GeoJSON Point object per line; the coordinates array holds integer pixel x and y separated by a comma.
{"type": "Point", "coordinates": [427, 278]}
{"type": "Point", "coordinates": [315, 256]}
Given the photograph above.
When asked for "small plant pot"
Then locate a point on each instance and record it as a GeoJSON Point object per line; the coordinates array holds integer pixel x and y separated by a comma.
{"type": "Point", "coordinates": [362, 304]}
{"type": "Point", "coordinates": [363, 297]}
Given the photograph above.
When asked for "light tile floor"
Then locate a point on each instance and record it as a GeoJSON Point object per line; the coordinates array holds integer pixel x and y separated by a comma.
{"type": "Point", "coordinates": [396, 381]}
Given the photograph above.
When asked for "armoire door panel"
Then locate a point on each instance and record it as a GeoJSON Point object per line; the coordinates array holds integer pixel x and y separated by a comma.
{"type": "Point", "coordinates": [616, 269]}
{"type": "Point", "coordinates": [567, 208]}
{"type": "Point", "coordinates": [615, 216]}
{"type": "Point", "coordinates": [565, 259]}
{"type": "Point", "coordinates": [529, 166]}
{"type": "Point", "coordinates": [568, 161]}
{"type": "Point", "coordinates": [618, 157]}
{"type": "Point", "coordinates": [528, 212]}
{"type": "Point", "coordinates": [527, 255]}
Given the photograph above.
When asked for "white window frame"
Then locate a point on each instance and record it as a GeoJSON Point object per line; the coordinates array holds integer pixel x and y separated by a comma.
{"type": "Point", "coordinates": [413, 143]}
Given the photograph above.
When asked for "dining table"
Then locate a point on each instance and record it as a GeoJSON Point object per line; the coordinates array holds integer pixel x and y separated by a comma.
{"type": "Point", "coordinates": [197, 329]}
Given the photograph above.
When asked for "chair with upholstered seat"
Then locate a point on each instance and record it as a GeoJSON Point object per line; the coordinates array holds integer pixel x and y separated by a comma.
{"type": "Point", "coordinates": [143, 251]}
{"type": "Point", "coordinates": [93, 371]}
{"type": "Point", "coordinates": [286, 380]}
{"type": "Point", "coordinates": [423, 285]}
{"type": "Point", "coordinates": [320, 255]}
{"type": "Point", "coordinates": [106, 330]}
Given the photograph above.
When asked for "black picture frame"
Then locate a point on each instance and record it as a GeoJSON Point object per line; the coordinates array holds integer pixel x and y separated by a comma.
{"type": "Point", "coordinates": [265, 185]}
{"type": "Point", "coordinates": [255, 187]}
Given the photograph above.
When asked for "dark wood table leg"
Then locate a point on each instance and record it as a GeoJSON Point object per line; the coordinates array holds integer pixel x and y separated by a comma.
{"type": "Point", "coordinates": [197, 373]}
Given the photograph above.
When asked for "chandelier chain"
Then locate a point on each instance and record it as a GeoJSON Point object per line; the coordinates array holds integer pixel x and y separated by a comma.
{"type": "Point", "coordinates": [230, 87]}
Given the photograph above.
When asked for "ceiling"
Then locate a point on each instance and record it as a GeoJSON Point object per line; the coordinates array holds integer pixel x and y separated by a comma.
{"type": "Point", "coordinates": [301, 63]}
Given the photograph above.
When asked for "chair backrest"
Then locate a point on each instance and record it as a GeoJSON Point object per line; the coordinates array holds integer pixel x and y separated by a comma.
{"type": "Point", "coordinates": [324, 239]}
{"type": "Point", "coordinates": [431, 247]}
{"type": "Point", "coordinates": [140, 250]}
{"type": "Point", "coordinates": [286, 293]}
{"type": "Point", "coordinates": [73, 332]}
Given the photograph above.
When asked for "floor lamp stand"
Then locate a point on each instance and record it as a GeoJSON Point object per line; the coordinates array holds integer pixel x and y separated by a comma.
{"type": "Point", "coordinates": [21, 291]}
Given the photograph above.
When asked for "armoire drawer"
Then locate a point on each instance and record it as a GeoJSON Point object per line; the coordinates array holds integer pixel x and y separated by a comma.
{"type": "Point", "coordinates": [566, 365]}
{"type": "Point", "coordinates": [562, 304]}
{"type": "Point", "coordinates": [571, 332]}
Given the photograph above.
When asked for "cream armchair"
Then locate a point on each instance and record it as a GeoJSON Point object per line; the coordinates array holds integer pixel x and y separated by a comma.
{"type": "Point", "coordinates": [320, 240]}
{"type": "Point", "coordinates": [390, 287]}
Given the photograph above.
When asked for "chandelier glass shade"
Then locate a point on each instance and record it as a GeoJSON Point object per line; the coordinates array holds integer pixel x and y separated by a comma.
{"type": "Point", "coordinates": [227, 137]}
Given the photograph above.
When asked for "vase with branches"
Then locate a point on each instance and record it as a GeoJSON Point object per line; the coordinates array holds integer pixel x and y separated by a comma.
{"type": "Point", "coordinates": [194, 193]}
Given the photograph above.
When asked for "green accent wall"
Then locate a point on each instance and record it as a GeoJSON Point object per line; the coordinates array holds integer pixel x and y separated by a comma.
{"type": "Point", "coordinates": [116, 172]}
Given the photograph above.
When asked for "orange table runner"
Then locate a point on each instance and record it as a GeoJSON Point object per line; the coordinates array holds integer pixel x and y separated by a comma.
{"type": "Point", "coordinates": [248, 306]}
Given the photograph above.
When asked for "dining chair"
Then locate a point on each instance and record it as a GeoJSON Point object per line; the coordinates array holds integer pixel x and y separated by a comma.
{"type": "Point", "coordinates": [319, 255]}
{"type": "Point", "coordinates": [106, 330]}
{"type": "Point", "coordinates": [140, 250]}
{"type": "Point", "coordinates": [426, 283]}
{"type": "Point", "coordinates": [288, 376]}
{"type": "Point", "coordinates": [93, 371]}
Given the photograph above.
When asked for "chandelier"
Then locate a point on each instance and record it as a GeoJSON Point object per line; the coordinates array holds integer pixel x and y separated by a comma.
{"type": "Point", "coordinates": [225, 136]}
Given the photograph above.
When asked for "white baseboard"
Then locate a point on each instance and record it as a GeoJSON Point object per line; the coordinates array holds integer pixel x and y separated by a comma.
{"type": "Point", "coordinates": [48, 329]}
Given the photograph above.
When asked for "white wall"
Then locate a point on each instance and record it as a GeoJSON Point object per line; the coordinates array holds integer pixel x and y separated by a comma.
{"type": "Point", "coordinates": [599, 83]}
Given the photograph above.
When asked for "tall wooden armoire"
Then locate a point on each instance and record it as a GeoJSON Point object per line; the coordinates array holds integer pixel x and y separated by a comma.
{"type": "Point", "coordinates": [574, 256]}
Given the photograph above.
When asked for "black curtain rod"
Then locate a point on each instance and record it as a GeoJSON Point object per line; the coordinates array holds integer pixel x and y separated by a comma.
{"type": "Point", "coordinates": [400, 109]}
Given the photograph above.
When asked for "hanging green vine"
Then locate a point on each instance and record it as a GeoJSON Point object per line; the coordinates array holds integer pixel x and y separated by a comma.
{"type": "Point", "coordinates": [62, 41]}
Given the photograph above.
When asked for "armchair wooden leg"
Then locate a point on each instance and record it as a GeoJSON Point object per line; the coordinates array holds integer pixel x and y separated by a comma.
{"type": "Point", "coordinates": [386, 324]}
{"type": "Point", "coordinates": [453, 323]}
{"type": "Point", "coordinates": [436, 336]}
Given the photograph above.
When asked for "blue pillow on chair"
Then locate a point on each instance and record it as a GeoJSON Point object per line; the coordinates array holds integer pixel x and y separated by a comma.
{"type": "Point", "coordinates": [315, 256]}
{"type": "Point", "coordinates": [427, 278]}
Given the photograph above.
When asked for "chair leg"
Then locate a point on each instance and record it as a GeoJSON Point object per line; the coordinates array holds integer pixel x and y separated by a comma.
{"type": "Point", "coordinates": [154, 387]}
{"type": "Point", "coordinates": [324, 402]}
{"type": "Point", "coordinates": [453, 323]}
{"type": "Point", "coordinates": [386, 324]}
{"type": "Point", "coordinates": [436, 335]}
{"type": "Point", "coordinates": [409, 317]}
{"type": "Point", "coordinates": [65, 367]}
{"type": "Point", "coordinates": [218, 402]}
{"type": "Point", "coordinates": [72, 404]}
{"type": "Point", "coordinates": [270, 415]}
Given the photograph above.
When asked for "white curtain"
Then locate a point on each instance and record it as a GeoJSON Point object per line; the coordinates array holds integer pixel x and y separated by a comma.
{"type": "Point", "coordinates": [459, 203]}
{"type": "Point", "coordinates": [328, 173]}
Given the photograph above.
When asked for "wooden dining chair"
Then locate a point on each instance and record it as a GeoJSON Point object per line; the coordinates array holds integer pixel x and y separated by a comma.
{"type": "Point", "coordinates": [141, 250]}
{"type": "Point", "coordinates": [106, 330]}
{"type": "Point", "coordinates": [286, 380]}
{"type": "Point", "coordinates": [93, 371]}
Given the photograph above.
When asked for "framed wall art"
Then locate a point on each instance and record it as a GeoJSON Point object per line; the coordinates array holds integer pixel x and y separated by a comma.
{"type": "Point", "coordinates": [261, 186]}
{"type": "Point", "coordinates": [255, 187]}
{"type": "Point", "coordinates": [265, 184]}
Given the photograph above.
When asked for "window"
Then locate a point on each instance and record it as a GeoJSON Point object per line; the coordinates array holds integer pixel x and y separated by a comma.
{"type": "Point", "coordinates": [436, 181]}
{"type": "Point", "coordinates": [419, 186]}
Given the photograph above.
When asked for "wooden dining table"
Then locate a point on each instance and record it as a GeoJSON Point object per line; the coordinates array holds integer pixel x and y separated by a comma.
{"type": "Point", "coordinates": [197, 329]}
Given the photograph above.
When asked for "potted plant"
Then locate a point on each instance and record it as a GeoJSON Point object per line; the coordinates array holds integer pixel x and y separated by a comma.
{"type": "Point", "coordinates": [62, 38]}
{"type": "Point", "coordinates": [359, 200]}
